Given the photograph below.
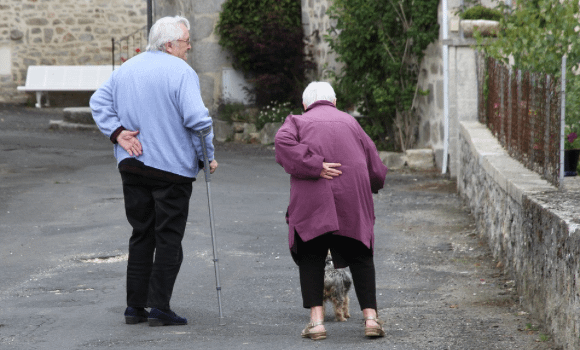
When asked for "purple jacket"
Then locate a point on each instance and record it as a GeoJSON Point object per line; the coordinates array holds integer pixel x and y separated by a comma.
{"type": "Point", "coordinates": [343, 205]}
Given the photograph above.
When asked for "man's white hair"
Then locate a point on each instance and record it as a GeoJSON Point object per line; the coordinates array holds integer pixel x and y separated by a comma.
{"type": "Point", "coordinates": [317, 91]}
{"type": "Point", "coordinates": [165, 30]}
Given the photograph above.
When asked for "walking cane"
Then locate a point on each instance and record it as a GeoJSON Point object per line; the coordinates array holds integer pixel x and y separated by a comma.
{"type": "Point", "coordinates": [202, 134]}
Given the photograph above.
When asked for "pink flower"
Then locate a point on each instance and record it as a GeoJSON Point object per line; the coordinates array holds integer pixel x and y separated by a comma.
{"type": "Point", "coordinates": [572, 136]}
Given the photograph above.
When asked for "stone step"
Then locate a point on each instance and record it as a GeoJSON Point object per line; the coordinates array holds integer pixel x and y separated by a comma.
{"type": "Point", "coordinates": [78, 115]}
{"type": "Point", "coordinates": [412, 158]}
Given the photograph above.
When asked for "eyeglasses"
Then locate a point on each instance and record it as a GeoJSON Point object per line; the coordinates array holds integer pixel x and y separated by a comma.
{"type": "Point", "coordinates": [188, 42]}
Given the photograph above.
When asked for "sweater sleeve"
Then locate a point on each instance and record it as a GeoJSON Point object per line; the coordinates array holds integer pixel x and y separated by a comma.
{"type": "Point", "coordinates": [195, 114]}
{"type": "Point", "coordinates": [103, 108]}
{"type": "Point", "coordinates": [296, 158]}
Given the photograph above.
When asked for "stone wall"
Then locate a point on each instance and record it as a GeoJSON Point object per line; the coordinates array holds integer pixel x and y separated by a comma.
{"type": "Point", "coordinates": [317, 24]}
{"type": "Point", "coordinates": [60, 32]}
{"type": "Point", "coordinates": [531, 227]}
{"type": "Point", "coordinates": [206, 57]}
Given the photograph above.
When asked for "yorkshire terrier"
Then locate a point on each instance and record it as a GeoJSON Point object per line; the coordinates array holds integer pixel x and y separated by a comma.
{"type": "Point", "coordinates": [337, 283]}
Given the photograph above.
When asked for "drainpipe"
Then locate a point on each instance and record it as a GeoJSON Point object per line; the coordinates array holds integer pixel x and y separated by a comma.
{"type": "Point", "coordinates": [445, 86]}
{"type": "Point", "coordinates": [562, 121]}
{"type": "Point", "coordinates": [149, 16]}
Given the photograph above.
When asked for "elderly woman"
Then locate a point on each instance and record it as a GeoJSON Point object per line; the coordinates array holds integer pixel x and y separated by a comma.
{"type": "Point", "coordinates": [334, 168]}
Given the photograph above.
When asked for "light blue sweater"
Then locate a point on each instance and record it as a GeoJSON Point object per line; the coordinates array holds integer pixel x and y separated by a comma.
{"type": "Point", "coordinates": [157, 94]}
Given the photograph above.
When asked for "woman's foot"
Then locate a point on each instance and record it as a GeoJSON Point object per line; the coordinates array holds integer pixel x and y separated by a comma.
{"type": "Point", "coordinates": [374, 327]}
{"type": "Point", "coordinates": [314, 330]}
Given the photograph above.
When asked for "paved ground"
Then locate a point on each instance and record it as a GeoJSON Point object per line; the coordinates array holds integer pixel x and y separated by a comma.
{"type": "Point", "coordinates": [64, 239]}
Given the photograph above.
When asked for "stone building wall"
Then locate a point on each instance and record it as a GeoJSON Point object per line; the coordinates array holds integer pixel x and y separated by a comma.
{"type": "Point", "coordinates": [317, 24]}
{"type": "Point", "coordinates": [60, 32]}
{"type": "Point", "coordinates": [206, 57]}
{"type": "Point", "coordinates": [71, 32]}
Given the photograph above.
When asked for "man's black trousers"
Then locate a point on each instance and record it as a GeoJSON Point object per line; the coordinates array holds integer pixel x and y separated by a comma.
{"type": "Point", "coordinates": [157, 210]}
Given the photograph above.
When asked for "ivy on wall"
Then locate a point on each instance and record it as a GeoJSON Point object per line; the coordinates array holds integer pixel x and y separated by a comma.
{"type": "Point", "coordinates": [265, 39]}
{"type": "Point", "coordinates": [381, 44]}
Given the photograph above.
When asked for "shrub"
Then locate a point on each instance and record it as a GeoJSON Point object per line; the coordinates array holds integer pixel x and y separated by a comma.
{"type": "Point", "coordinates": [266, 41]}
{"type": "Point", "coordinates": [536, 35]}
{"type": "Point", "coordinates": [481, 12]}
{"type": "Point", "coordinates": [275, 113]}
{"type": "Point", "coordinates": [381, 44]}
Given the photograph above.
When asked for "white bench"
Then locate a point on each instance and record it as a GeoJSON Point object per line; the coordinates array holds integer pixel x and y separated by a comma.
{"type": "Point", "coordinates": [42, 79]}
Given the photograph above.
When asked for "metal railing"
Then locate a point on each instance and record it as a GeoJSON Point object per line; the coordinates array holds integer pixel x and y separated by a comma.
{"type": "Point", "coordinates": [523, 110]}
{"type": "Point", "coordinates": [128, 46]}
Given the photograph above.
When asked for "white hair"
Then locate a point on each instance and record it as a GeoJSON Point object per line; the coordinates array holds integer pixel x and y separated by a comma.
{"type": "Point", "coordinates": [317, 91]}
{"type": "Point", "coordinates": [165, 30]}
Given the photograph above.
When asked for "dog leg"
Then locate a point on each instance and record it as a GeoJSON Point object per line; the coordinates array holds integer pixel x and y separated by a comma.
{"type": "Point", "coordinates": [345, 307]}
{"type": "Point", "coordinates": [338, 310]}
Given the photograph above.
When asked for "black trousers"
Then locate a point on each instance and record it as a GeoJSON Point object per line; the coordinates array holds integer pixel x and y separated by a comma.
{"type": "Point", "coordinates": [311, 256]}
{"type": "Point", "coordinates": [157, 210]}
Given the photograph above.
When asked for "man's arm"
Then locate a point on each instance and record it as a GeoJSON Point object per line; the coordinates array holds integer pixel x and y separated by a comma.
{"type": "Point", "coordinates": [195, 114]}
{"type": "Point", "coordinates": [105, 115]}
{"type": "Point", "coordinates": [103, 109]}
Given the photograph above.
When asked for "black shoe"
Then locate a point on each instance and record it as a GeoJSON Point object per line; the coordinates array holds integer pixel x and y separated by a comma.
{"type": "Point", "coordinates": [134, 316]}
{"type": "Point", "coordinates": [160, 318]}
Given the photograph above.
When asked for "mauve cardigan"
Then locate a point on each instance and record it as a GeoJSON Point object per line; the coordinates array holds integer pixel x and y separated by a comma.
{"type": "Point", "coordinates": [343, 205]}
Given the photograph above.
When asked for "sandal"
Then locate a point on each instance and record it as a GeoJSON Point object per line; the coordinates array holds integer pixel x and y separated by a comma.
{"type": "Point", "coordinates": [307, 333]}
{"type": "Point", "coordinates": [374, 331]}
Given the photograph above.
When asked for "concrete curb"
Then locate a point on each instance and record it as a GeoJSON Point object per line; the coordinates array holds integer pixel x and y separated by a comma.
{"type": "Point", "coordinates": [61, 124]}
{"type": "Point", "coordinates": [75, 118]}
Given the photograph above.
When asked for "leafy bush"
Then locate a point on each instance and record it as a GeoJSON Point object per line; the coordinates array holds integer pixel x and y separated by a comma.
{"type": "Point", "coordinates": [265, 39]}
{"type": "Point", "coordinates": [481, 12]}
{"type": "Point", "coordinates": [275, 113]}
{"type": "Point", "coordinates": [381, 44]}
{"type": "Point", "coordinates": [537, 34]}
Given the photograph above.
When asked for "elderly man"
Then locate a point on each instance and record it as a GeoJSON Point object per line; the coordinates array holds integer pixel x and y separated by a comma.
{"type": "Point", "coordinates": [151, 109]}
{"type": "Point", "coordinates": [334, 168]}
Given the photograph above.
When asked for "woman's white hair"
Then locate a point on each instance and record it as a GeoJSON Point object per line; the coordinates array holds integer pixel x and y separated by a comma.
{"type": "Point", "coordinates": [165, 30]}
{"type": "Point", "coordinates": [317, 91]}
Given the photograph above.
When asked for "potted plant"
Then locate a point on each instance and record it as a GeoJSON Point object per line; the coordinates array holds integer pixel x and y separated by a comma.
{"type": "Point", "coordinates": [476, 17]}
{"type": "Point", "coordinates": [571, 149]}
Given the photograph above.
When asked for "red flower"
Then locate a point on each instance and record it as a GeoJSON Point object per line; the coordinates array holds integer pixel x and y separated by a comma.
{"type": "Point", "coordinates": [123, 59]}
{"type": "Point", "coordinates": [137, 50]}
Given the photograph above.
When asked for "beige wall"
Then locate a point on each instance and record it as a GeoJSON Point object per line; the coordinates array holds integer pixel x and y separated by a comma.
{"type": "Point", "coordinates": [60, 32]}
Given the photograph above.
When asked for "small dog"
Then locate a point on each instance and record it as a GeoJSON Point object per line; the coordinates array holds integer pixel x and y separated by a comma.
{"type": "Point", "coordinates": [337, 283]}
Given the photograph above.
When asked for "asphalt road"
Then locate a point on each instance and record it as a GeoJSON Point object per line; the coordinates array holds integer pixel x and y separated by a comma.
{"type": "Point", "coordinates": [64, 238]}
